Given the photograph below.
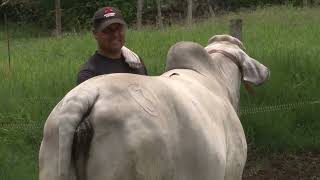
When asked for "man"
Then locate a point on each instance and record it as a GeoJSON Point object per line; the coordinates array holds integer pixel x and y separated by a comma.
{"type": "Point", "coordinates": [108, 28]}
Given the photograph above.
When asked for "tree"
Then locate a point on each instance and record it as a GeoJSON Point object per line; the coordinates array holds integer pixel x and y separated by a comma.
{"type": "Point", "coordinates": [139, 13]}
{"type": "Point", "coordinates": [189, 12]}
{"type": "Point", "coordinates": [159, 16]}
{"type": "Point", "coordinates": [58, 17]}
{"type": "Point", "coordinates": [4, 3]}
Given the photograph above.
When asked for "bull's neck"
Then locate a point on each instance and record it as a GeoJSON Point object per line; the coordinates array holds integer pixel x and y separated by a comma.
{"type": "Point", "coordinates": [229, 76]}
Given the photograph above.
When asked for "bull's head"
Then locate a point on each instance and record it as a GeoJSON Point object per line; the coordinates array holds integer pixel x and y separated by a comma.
{"type": "Point", "coordinates": [252, 71]}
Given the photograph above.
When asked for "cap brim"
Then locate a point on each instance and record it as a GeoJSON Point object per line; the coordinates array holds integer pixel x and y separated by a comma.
{"type": "Point", "coordinates": [105, 24]}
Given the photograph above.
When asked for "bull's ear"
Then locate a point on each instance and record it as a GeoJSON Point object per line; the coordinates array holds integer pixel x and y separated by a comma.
{"type": "Point", "coordinates": [253, 71]}
{"type": "Point", "coordinates": [228, 38]}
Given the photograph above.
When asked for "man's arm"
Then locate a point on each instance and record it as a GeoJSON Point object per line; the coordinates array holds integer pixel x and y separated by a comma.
{"type": "Point", "coordinates": [143, 69]}
{"type": "Point", "coordinates": [84, 75]}
{"type": "Point", "coordinates": [134, 61]}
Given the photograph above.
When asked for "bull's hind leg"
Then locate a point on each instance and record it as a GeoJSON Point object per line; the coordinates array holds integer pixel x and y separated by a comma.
{"type": "Point", "coordinates": [152, 160]}
{"type": "Point", "coordinates": [109, 158]}
{"type": "Point", "coordinates": [129, 155]}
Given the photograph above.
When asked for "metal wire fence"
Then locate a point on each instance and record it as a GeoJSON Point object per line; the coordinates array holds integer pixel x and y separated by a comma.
{"type": "Point", "coordinates": [243, 112]}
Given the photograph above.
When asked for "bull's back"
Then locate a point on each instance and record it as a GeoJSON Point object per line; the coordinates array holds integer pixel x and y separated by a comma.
{"type": "Point", "coordinates": [154, 128]}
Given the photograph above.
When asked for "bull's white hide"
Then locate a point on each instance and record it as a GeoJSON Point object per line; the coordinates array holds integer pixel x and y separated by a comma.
{"type": "Point", "coordinates": [182, 125]}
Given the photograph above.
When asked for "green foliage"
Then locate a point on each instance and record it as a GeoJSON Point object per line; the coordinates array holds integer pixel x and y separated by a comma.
{"type": "Point", "coordinates": [21, 11]}
{"type": "Point", "coordinates": [285, 39]}
{"type": "Point", "coordinates": [76, 14]}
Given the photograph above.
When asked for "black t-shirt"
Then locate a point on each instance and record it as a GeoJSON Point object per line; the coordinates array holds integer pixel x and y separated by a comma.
{"type": "Point", "coordinates": [98, 65]}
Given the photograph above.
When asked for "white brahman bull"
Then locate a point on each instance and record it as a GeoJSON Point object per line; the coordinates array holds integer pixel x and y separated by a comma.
{"type": "Point", "coordinates": [182, 125]}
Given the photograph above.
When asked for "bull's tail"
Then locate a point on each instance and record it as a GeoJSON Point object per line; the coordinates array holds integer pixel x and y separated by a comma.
{"type": "Point", "coordinates": [55, 158]}
{"type": "Point", "coordinates": [81, 147]}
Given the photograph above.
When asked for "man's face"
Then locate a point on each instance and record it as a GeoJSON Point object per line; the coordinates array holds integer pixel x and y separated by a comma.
{"type": "Point", "coordinates": [112, 38]}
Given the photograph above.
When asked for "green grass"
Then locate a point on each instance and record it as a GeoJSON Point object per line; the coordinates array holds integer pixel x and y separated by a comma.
{"type": "Point", "coordinates": [285, 39]}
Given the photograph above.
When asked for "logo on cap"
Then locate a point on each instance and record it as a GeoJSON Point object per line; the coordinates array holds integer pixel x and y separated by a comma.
{"type": "Point", "coordinates": [108, 12]}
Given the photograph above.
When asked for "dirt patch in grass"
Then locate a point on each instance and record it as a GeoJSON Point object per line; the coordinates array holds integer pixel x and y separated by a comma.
{"type": "Point", "coordinates": [284, 166]}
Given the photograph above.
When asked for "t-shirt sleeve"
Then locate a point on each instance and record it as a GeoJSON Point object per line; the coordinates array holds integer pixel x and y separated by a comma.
{"type": "Point", "coordinates": [83, 75]}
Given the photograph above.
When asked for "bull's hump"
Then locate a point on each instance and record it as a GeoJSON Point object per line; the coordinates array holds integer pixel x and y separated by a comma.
{"type": "Point", "coordinates": [188, 55]}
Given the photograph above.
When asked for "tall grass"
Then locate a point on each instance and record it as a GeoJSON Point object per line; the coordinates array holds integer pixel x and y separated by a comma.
{"type": "Point", "coordinates": [283, 38]}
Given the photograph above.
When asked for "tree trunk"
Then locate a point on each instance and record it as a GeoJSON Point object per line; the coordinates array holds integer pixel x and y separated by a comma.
{"type": "Point", "coordinates": [305, 3]}
{"type": "Point", "coordinates": [139, 13]}
{"type": "Point", "coordinates": [58, 17]}
{"type": "Point", "coordinates": [211, 11]}
{"type": "Point", "coordinates": [189, 12]}
{"type": "Point", "coordinates": [159, 17]}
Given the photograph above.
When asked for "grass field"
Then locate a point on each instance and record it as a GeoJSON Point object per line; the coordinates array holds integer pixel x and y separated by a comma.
{"type": "Point", "coordinates": [285, 39]}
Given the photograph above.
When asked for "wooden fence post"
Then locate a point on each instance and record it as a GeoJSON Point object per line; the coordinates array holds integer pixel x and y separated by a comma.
{"type": "Point", "coordinates": [58, 17]}
{"type": "Point", "coordinates": [139, 13]}
{"type": "Point", "coordinates": [159, 15]}
{"type": "Point", "coordinates": [8, 38]}
{"type": "Point", "coordinates": [236, 28]}
{"type": "Point", "coordinates": [7, 30]}
{"type": "Point", "coordinates": [211, 11]}
{"type": "Point", "coordinates": [189, 13]}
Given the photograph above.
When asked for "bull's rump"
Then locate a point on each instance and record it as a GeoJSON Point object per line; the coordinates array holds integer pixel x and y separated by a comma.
{"type": "Point", "coordinates": [157, 128]}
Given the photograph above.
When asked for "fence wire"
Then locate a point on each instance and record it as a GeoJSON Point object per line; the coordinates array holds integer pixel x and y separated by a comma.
{"type": "Point", "coordinates": [243, 111]}
{"type": "Point", "coordinates": [279, 107]}
{"type": "Point", "coordinates": [6, 126]}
